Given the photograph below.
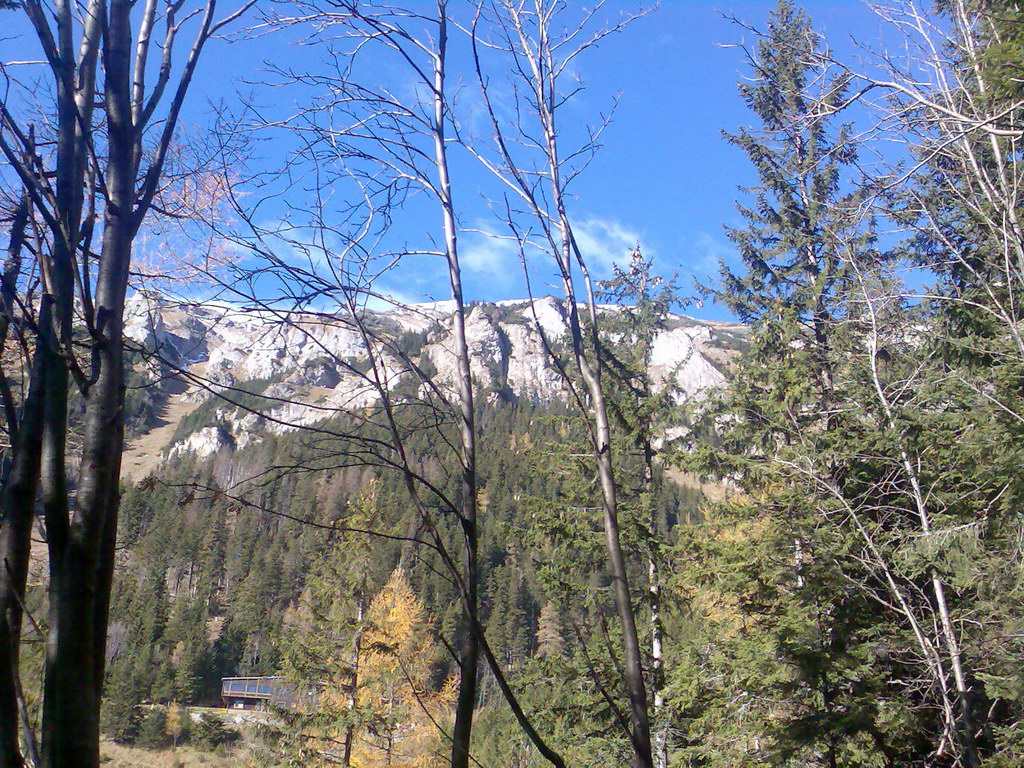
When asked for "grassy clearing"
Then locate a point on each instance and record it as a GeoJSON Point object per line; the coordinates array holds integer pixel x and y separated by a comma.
{"type": "Point", "coordinates": [119, 756]}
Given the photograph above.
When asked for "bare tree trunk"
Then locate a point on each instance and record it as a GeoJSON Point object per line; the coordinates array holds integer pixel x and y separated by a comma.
{"type": "Point", "coordinates": [80, 575]}
{"type": "Point", "coordinates": [19, 495]}
{"type": "Point", "coordinates": [8, 301]}
{"type": "Point", "coordinates": [17, 504]}
{"type": "Point", "coordinates": [74, 104]}
{"type": "Point", "coordinates": [530, 37]}
{"type": "Point", "coordinates": [965, 725]}
{"type": "Point", "coordinates": [654, 584]}
{"type": "Point", "coordinates": [80, 536]}
{"type": "Point", "coordinates": [81, 563]}
{"type": "Point", "coordinates": [591, 370]}
{"type": "Point", "coordinates": [469, 661]}
{"type": "Point", "coordinates": [633, 671]}
{"type": "Point", "coordinates": [657, 671]}
{"type": "Point", "coordinates": [68, 688]}
{"type": "Point", "coordinates": [81, 560]}
{"type": "Point", "coordinates": [75, 681]}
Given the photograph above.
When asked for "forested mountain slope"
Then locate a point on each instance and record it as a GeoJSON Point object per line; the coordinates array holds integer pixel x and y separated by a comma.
{"type": "Point", "coordinates": [247, 547]}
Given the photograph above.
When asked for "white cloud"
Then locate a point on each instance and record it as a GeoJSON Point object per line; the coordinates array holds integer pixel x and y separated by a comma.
{"type": "Point", "coordinates": [604, 242]}
{"type": "Point", "coordinates": [704, 251]}
{"type": "Point", "coordinates": [484, 252]}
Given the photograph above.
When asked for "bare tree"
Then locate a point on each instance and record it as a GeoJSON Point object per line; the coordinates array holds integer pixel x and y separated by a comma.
{"type": "Point", "coordinates": [537, 43]}
{"type": "Point", "coordinates": [964, 141]}
{"type": "Point", "coordinates": [391, 145]}
{"type": "Point", "coordinates": [97, 184]}
{"type": "Point", "coordinates": [960, 197]}
{"type": "Point", "coordinates": [370, 147]}
{"type": "Point", "coordinates": [20, 472]}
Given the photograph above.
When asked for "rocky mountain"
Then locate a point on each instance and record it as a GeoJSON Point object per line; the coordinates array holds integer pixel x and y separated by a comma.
{"type": "Point", "coordinates": [307, 367]}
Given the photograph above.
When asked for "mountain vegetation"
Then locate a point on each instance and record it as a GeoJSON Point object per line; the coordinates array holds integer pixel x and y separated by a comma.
{"type": "Point", "coordinates": [571, 530]}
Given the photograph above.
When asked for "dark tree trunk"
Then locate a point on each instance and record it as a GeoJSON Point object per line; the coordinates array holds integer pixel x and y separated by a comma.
{"type": "Point", "coordinates": [54, 485]}
{"type": "Point", "coordinates": [81, 535]}
{"type": "Point", "coordinates": [81, 567]}
{"type": "Point", "coordinates": [19, 485]}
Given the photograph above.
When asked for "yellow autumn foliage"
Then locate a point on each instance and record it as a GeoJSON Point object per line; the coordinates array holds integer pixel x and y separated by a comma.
{"type": "Point", "coordinates": [401, 712]}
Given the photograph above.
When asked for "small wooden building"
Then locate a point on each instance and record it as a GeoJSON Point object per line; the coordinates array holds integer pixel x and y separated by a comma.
{"type": "Point", "coordinates": [257, 693]}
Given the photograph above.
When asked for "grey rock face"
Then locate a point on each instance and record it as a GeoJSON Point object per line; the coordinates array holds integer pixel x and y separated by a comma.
{"type": "Point", "coordinates": [318, 364]}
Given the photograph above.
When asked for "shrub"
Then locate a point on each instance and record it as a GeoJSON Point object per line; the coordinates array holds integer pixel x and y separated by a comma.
{"type": "Point", "coordinates": [153, 730]}
{"type": "Point", "coordinates": [211, 732]}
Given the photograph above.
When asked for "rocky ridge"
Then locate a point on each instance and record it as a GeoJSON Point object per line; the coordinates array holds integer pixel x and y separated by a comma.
{"type": "Point", "coordinates": [309, 365]}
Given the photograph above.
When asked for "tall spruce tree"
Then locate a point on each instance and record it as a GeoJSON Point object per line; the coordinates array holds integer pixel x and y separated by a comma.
{"type": "Point", "coordinates": [787, 643]}
{"type": "Point", "coordinates": [855, 593]}
{"type": "Point", "coordinates": [800, 221]}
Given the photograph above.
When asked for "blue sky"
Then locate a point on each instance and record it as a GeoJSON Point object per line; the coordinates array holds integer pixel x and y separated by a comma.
{"type": "Point", "coordinates": [665, 177]}
{"type": "Point", "coordinates": [666, 172]}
